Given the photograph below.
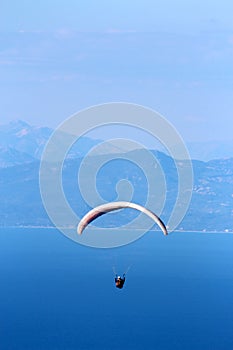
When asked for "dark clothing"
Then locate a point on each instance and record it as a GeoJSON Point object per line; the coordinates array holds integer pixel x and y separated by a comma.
{"type": "Point", "coordinates": [119, 281]}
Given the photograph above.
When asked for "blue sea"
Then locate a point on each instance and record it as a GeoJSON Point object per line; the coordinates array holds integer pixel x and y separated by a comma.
{"type": "Point", "coordinates": [56, 294]}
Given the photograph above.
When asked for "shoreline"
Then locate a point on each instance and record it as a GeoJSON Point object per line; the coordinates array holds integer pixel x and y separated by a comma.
{"type": "Point", "coordinates": [34, 227]}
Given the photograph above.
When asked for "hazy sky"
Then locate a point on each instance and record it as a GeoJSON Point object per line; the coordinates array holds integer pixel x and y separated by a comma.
{"type": "Point", "coordinates": [57, 57]}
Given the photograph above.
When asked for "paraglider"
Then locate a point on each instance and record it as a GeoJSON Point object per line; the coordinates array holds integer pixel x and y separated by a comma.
{"type": "Point", "coordinates": [106, 208]}
{"type": "Point", "coordinates": [119, 281]}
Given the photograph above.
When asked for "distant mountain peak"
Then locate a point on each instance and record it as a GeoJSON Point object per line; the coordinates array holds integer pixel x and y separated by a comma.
{"type": "Point", "coordinates": [19, 122]}
{"type": "Point", "coordinates": [15, 126]}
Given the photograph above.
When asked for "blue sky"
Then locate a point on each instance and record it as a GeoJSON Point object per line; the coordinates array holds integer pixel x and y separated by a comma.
{"type": "Point", "coordinates": [57, 57]}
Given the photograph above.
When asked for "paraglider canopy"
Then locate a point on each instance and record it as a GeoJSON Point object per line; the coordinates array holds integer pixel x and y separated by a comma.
{"type": "Point", "coordinates": [105, 208]}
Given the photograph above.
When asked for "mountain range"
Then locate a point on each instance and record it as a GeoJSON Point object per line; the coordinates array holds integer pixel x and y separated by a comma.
{"type": "Point", "coordinates": [24, 142]}
{"type": "Point", "coordinates": [21, 146]}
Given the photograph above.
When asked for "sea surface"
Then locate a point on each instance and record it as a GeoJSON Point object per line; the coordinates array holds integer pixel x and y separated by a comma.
{"type": "Point", "coordinates": [56, 294]}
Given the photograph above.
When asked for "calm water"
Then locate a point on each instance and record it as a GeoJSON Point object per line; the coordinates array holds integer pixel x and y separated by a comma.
{"type": "Point", "coordinates": [56, 294]}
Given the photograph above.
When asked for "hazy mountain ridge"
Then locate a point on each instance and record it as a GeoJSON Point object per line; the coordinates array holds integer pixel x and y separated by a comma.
{"type": "Point", "coordinates": [20, 201]}
{"type": "Point", "coordinates": [31, 140]}
{"type": "Point", "coordinates": [210, 208]}
{"type": "Point", "coordinates": [10, 157]}
{"type": "Point", "coordinates": [24, 138]}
